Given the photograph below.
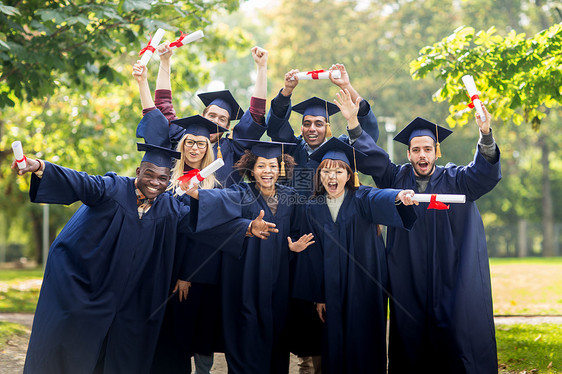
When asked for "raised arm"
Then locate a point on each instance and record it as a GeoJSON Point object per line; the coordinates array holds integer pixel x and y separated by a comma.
{"type": "Point", "coordinates": [387, 206]}
{"type": "Point", "coordinates": [365, 115]}
{"type": "Point", "coordinates": [278, 126]}
{"type": "Point", "coordinates": [140, 72]}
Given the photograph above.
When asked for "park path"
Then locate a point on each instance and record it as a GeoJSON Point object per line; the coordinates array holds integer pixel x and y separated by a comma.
{"type": "Point", "coordinates": [12, 357]}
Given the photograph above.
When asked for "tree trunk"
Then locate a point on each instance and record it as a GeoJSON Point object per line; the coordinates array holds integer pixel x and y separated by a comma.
{"type": "Point", "coordinates": [547, 211]}
{"type": "Point", "coordinates": [523, 248]}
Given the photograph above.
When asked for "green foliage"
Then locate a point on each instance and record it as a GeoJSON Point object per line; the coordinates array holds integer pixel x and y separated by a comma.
{"type": "Point", "coordinates": [67, 93]}
{"type": "Point", "coordinates": [529, 347]}
{"type": "Point", "coordinates": [520, 78]}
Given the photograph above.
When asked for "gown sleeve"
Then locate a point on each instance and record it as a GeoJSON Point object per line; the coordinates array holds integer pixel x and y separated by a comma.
{"type": "Point", "coordinates": [279, 128]}
{"type": "Point", "coordinates": [378, 206]}
{"type": "Point", "coordinates": [377, 164]}
{"type": "Point", "coordinates": [60, 185]}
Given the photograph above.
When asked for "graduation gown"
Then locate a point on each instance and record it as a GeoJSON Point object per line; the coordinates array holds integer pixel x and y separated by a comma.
{"type": "Point", "coordinates": [254, 278]}
{"type": "Point", "coordinates": [346, 269]}
{"type": "Point", "coordinates": [107, 275]}
{"type": "Point", "coordinates": [231, 152]}
{"type": "Point", "coordinates": [193, 325]}
{"type": "Point", "coordinates": [441, 306]}
{"type": "Point", "coordinates": [280, 130]}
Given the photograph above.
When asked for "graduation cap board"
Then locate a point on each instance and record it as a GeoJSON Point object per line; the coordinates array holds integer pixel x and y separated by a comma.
{"type": "Point", "coordinates": [157, 147]}
{"type": "Point", "coordinates": [199, 126]}
{"type": "Point", "coordinates": [335, 149]}
{"type": "Point", "coordinates": [423, 127]}
{"type": "Point", "coordinates": [316, 106]}
{"type": "Point", "coordinates": [267, 150]}
{"type": "Point", "coordinates": [223, 99]}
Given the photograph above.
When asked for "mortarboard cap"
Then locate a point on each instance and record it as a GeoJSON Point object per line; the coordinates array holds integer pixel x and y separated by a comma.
{"type": "Point", "coordinates": [316, 107]}
{"type": "Point", "coordinates": [157, 155]}
{"type": "Point", "coordinates": [157, 147]}
{"type": "Point", "coordinates": [335, 149]}
{"type": "Point", "coordinates": [264, 148]}
{"type": "Point", "coordinates": [199, 126]}
{"type": "Point", "coordinates": [422, 127]}
{"type": "Point", "coordinates": [223, 99]}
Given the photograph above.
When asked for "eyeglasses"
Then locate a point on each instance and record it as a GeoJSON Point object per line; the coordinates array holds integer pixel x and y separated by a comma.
{"type": "Point", "coordinates": [200, 144]}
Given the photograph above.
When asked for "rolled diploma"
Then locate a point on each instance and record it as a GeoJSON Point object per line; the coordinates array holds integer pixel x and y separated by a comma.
{"type": "Point", "coordinates": [444, 198]}
{"type": "Point", "coordinates": [154, 43]}
{"type": "Point", "coordinates": [18, 152]}
{"type": "Point", "coordinates": [210, 169]}
{"type": "Point", "coordinates": [188, 39]}
{"type": "Point", "coordinates": [324, 75]}
{"type": "Point", "coordinates": [471, 88]}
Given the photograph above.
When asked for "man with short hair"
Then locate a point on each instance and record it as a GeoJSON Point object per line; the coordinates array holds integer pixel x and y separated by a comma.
{"type": "Point", "coordinates": [441, 317]}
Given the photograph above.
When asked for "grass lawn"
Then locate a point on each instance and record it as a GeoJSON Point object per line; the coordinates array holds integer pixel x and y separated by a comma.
{"type": "Point", "coordinates": [8, 331]}
{"type": "Point", "coordinates": [527, 286]}
{"type": "Point", "coordinates": [524, 348]}
{"type": "Point", "coordinates": [19, 289]}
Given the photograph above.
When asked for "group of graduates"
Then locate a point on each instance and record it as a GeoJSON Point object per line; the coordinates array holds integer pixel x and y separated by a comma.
{"type": "Point", "coordinates": [279, 251]}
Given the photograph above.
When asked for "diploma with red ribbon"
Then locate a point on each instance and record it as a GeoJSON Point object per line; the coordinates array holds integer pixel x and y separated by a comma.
{"type": "Point", "coordinates": [184, 39]}
{"type": "Point", "coordinates": [147, 51]}
{"type": "Point", "coordinates": [317, 74]}
{"type": "Point", "coordinates": [18, 152]}
{"type": "Point", "coordinates": [195, 176]}
{"type": "Point", "coordinates": [473, 94]}
{"type": "Point", "coordinates": [437, 201]}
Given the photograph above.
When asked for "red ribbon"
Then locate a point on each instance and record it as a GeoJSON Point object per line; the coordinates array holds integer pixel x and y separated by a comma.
{"type": "Point", "coordinates": [147, 48]}
{"type": "Point", "coordinates": [23, 159]}
{"type": "Point", "coordinates": [471, 104]}
{"type": "Point", "coordinates": [434, 204]}
{"type": "Point", "coordinates": [314, 73]}
{"type": "Point", "coordinates": [193, 173]}
{"type": "Point", "coordinates": [179, 42]}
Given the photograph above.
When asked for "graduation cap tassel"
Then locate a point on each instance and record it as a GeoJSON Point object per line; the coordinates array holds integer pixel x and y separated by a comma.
{"type": "Point", "coordinates": [282, 171]}
{"type": "Point", "coordinates": [355, 174]}
{"type": "Point", "coordinates": [437, 145]}
{"type": "Point", "coordinates": [219, 153]}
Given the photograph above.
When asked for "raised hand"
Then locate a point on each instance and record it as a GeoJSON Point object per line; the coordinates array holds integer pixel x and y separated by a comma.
{"type": "Point", "coordinates": [348, 108]}
{"type": "Point", "coordinates": [484, 126]}
{"type": "Point", "coordinates": [260, 56]}
{"type": "Point", "coordinates": [291, 81]}
{"type": "Point", "coordinates": [343, 81]}
{"type": "Point", "coordinates": [164, 51]}
{"type": "Point", "coordinates": [140, 72]}
{"type": "Point", "coordinates": [260, 228]}
{"type": "Point", "coordinates": [301, 244]}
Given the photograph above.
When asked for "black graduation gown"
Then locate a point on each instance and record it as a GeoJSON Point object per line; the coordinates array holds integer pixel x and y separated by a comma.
{"type": "Point", "coordinates": [346, 269]}
{"type": "Point", "coordinates": [254, 278]}
{"type": "Point", "coordinates": [441, 307]}
{"type": "Point", "coordinates": [231, 151]}
{"type": "Point", "coordinates": [107, 275]}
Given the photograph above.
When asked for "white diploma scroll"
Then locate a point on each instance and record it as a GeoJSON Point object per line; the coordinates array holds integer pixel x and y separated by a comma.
{"type": "Point", "coordinates": [443, 198]}
{"type": "Point", "coordinates": [317, 74]}
{"type": "Point", "coordinates": [18, 152]}
{"type": "Point", "coordinates": [184, 39]}
{"type": "Point", "coordinates": [151, 47]}
{"type": "Point", "coordinates": [473, 93]}
{"type": "Point", "coordinates": [210, 169]}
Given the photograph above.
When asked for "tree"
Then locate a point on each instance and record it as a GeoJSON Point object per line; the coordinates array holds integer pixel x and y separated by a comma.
{"type": "Point", "coordinates": [66, 89]}
{"type": "Point", "coordinates": [520, 80]}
